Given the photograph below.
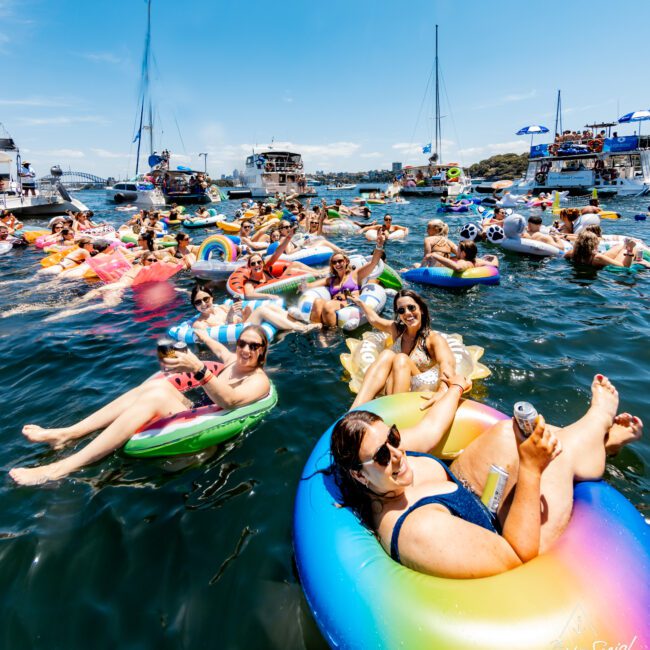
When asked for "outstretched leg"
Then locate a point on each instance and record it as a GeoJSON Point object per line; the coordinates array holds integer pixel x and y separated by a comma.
{"type": "Point", "coordinates": [97, 420]}
{"type": "Point", "coordinates": [582, 458]}
{"type": "Point", "coordinates": [375, 378]}
{"type": "Point", "coordinates": [278, 317]}
{"type": "Point", "coordinates": [158, 400]}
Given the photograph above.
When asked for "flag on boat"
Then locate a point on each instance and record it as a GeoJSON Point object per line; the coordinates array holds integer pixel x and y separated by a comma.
{"type": "Point", "coordinates": [426, 148]}
{"type": "Point", "coordinates": [137, 137]}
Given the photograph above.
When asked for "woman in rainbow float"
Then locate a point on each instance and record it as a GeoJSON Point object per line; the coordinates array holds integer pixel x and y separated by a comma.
{"type": "Point", "coordinates": [211, 315]}
{"type": "Point", "coordinates": [430, 517]}
{"type": "Point", "coordinates": [241, 381]}
{"type": "Point", "coordinates": [342, 283]}
{"type": "Point", "coordinates": [407, 365]}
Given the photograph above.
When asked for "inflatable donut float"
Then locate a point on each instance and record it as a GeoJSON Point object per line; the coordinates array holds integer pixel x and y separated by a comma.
{"type": "Point", "coordinates": [441, 276]}
{"type": "Point", "coordinates": [591, 587]}
{"type": "Point", "coordinates": [285, 280]}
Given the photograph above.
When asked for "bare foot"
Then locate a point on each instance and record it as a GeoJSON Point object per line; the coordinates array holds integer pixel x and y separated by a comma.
{"type": "Point", "coordinates": [55, 437]}
{"type": "Point", "coordinates": [626, 428]}
{"type": "Point", "coordinates": [310, 327]}
{"type": "Point", "coordinates": [604, 398]}
{"type": "Point", "coordinates": [34, 475]}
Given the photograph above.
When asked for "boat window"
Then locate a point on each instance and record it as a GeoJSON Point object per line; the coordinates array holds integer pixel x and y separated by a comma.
{"type": "Point", "coordinates": [132, 188]}
{"type": "Point", "coordinates": [249, 161]}
{"type": "Point", "coordinates": [118, 186]}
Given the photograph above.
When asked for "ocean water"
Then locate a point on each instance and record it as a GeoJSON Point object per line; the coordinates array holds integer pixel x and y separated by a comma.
{"type": "Point", "coordinates": [196, 552]}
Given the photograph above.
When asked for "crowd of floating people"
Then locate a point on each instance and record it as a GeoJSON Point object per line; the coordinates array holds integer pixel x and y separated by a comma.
{"type": "Point", "coordinates": [272, 250]}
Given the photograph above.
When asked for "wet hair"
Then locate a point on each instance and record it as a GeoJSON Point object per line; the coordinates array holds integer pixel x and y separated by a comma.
{"type": "Point", "coordinates": [585, 247]}
{"type": "Point", "coordinates": [594, 202]}
{"type": "Point", "coordinates": [84, 241]}
{"type": "Point", "coordinates": [101, 245]}
{"type": "Point", "coordinates": [536, 219]}
{"type": "Point", "coordinates": [595, 228]}
{"type": "Point", "coordinates": [345, 443]}
{"type": "Point", "coordinates": [441, 228]}
{"type": "Point", "coordinates": [181, 236]}
{"type": "Point", "coordinates": [148, 238]}
{"type": "Point", "coordinates": [425, 327]}
{"type": "Point", "coordinates": [469, 248]}
{"type": "Point", "coordinates": [570, 213]}
{"type": "Point", "coordinates": [261, 359]}
{"type": "Point", "coordinates": [197, 289]}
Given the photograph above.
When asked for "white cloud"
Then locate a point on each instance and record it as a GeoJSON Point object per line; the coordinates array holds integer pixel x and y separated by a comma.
{"type": "Point", "coordinates": [238, 152]}
{"type": "Point", "coordinates": [507, 99]}
{"type": "Point", "coordinates": [102, 57]}
{"type": "Point", "coordinates": [479, 153]}
{"type": "Point", "coordinates": [63, 121]}
{"type": "Point", "coordinates": [63, 153]}
{"type": "Point", "coordinates": [371, 154]}
{"type": "Point", "coordinates": [34, 101]}
{"type": "Point", "coordinates": [104, 153]}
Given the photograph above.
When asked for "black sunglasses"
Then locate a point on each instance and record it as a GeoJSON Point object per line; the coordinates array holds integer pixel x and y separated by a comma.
{"type": "Point", "coordinates": [382, 455]}
{"type": "Point", "coordinates": [200, 301]}
{"type": "Point", "coordinates": [251, 345]}
{"type": "Point", "coordinates": [256, 264]}
{"type": "Point", "coordinates": [402, 310]}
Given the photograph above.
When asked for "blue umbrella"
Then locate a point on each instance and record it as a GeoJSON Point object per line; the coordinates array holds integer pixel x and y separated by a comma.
{"type": "Point", "coordinates": [532, 130]}
{"type": "Point", "coordinates": [636, 116]}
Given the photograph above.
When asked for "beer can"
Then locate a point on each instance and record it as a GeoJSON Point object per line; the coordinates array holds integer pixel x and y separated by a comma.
{"type": "Point", "coordinates": [638, 254]}
{"type": "Point", "coordinates": [165, 348]}
{"type": "Point", "coordinates": [494, 488]}
{"type": "Point", "coordinates": [180, 346]}
{"type": "Point", "coordinates": [526, 415]}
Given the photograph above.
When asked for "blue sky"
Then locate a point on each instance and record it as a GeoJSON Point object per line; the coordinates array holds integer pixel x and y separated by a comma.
{"type": "Point", "coordinates": [341, 81]}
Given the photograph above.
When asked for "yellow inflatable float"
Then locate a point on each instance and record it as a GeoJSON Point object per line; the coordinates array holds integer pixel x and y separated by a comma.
{"type": "Point", "coordinates": [364, 352]}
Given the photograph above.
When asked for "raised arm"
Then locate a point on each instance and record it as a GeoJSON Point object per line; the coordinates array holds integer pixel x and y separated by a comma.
{"type": "Point", "coordinates": [279, 250]}
{"type": "Point", "coordinates": [364, 271]}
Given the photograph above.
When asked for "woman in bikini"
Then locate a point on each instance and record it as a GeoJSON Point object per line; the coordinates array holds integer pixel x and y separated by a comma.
{"type": "Point", "coordinates": [418, 357]}
{"type": "Point", "coordinates": [241, 381]}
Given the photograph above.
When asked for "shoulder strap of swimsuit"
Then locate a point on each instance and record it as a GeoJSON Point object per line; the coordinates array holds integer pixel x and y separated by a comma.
{"type": "Point", "coordinates": [424, 501]}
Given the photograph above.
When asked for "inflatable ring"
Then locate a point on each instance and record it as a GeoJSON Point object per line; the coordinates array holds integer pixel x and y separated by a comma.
{"type": "Point", "coordinates": [371, 235]}
{"type": "Point", "coordinates": [591, 586]}
{"type": "Point", "coordinates": [540, 177]}
{"type": "Point", "coordinates": [441, 276]}
{"type": "Point", "coordinates": [285, 280]}
{"type": "Point", "coordinates": [219, 244]}
{"type": "Point", "coordinates": [198, 428]}
{"type": "Point", "coordinates": [453, 172]}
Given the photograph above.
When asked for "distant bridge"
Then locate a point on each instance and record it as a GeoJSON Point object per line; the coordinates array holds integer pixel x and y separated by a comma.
{"type": "Point", "coordinates": [76, 179]}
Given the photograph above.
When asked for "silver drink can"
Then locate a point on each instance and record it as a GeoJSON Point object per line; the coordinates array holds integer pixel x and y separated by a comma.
{"type": "Point", "coordinates": [180, 346]}
{"type": "Point", "coordinates": [526, 416]}
{"type": "Point", "coordinates": [494, 488]}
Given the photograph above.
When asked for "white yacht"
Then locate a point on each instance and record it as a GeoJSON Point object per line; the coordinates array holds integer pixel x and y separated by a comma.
{"type": "Point", "coordinates": [138, 191]}
{"type": "Point", "coordinates": [51, 198]}
{"type": "Point", "coordinates": [270, 171]}
{"type": "Point", "coordinates": [614, 166]}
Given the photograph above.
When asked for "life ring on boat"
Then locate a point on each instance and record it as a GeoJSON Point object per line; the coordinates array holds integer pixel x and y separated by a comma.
{"type": "Point", "coordinates": [300, 165]}
{"type": "Point", "coordinates": [595, 145]}
{"type": "Point", "coordinates": [540, 177]}
{"type": "Point", "coordinates": [453, 173]}
{"type": "Point", "coordinates": [269, 167]}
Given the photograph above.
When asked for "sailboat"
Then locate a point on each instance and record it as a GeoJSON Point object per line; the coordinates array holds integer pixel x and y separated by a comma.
{"type": "Point", "coordinates": [161, 184]}
{"type": "Point", "coordinates": [436, 178]}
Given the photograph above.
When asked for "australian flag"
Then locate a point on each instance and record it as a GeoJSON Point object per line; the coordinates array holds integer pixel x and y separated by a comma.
{"type": "Point", "coordinates": [426, 148]}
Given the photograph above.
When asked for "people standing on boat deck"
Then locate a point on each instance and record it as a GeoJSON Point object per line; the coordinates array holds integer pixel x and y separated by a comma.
{"type": "Point", "coordinates": [27, 179]}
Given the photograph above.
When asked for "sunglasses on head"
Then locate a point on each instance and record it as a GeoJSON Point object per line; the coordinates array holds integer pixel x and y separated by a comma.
{"type": "Point", "coordinates": [382, 455]}
{"type": "Point", "coordinates": [251, 345]}
{"type": "Point", "coordinates": [402, 310]}
{"type": "Point", "coordinates": [200, 301]}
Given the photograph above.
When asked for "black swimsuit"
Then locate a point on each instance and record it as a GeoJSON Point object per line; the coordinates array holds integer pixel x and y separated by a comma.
{"type": "Point", "coordinates": [462, 502]}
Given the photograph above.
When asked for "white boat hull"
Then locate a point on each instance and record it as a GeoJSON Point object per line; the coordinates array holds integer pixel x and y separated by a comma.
{"type": "Point", "coordinates": [144, 198]}
{"type": "Point", "coordinates": [36, 206]}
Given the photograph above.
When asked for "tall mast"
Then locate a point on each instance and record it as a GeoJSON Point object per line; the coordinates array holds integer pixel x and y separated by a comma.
{"type": "Point", "coordinates": [146, 95]}
{"type": "Point", "coordinates": [438, 133]}
{"type": "Point", "coordinates": [558, 113]}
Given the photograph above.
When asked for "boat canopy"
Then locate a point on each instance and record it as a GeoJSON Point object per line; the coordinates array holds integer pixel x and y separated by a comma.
{"type": "Point", "coordinates": [609, 145]}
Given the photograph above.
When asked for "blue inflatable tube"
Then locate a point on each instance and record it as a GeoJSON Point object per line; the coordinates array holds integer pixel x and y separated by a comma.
{"type": "Point", "coordinates": [441, 276]}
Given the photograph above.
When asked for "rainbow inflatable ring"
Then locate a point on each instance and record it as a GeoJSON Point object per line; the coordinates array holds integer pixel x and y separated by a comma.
{"type": "Point", "coordinates": [220, 244]}
{"type": "Point", "coordinates": [592, 587]}
{"type": "Point", "coordinates": [441, 276]}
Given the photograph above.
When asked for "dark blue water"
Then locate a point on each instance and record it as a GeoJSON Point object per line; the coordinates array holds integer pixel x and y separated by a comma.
{"type": "Point", "coordinates": [196, 553]}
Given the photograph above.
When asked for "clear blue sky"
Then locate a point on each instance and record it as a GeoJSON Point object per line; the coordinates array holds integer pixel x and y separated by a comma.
{"type": "Point", "coordinates": [342, 81]}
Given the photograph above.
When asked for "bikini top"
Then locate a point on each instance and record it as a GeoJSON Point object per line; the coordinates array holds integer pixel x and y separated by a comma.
{"type": "Point", "coordinates": [349, 284]}
{"type": "Point", "coordinates": [419, 354]}
{"type": "Point", "coordinates": [462, 503]}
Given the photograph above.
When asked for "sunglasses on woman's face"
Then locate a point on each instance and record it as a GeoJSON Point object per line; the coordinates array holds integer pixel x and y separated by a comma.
{"type": "Point", "coordinates": [257, 264]}
{"type": "Point", "coordinates": [246, 227]}
{"type": "Point", "coordinates": [402, 310]}
{"type": "Point", "coordinates": [200, 301]}
{"type": "Point", "coordinates": [337, 262]}
{"type": "Point", "coordinates": [251, 345]}
{"type": "Point", "coordinates": [150, 259]}
{"type": "Point", "coordinates": [382, 455]}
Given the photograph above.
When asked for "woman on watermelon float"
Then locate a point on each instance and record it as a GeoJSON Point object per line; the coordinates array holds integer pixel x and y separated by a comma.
{"type": "Point", "coordinates": [430, 518]}
{"type": "Point", "coordinates": [241, 381]}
